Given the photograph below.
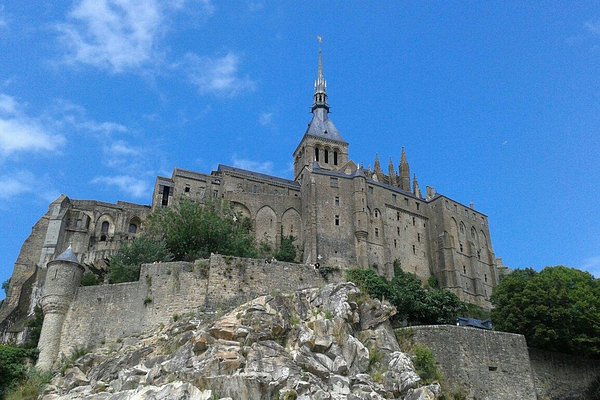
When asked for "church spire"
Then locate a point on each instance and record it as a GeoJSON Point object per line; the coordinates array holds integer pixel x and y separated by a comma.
{"type": "Point", "coordinates": [320, 96]}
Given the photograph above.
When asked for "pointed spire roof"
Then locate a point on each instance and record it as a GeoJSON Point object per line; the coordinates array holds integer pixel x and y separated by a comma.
{"type": "Point", "coordinates": [67, 255]}
{"type": "Point", "coordinates": [403, 156]}
{"type": "Point", "coordinates": [321, 126]}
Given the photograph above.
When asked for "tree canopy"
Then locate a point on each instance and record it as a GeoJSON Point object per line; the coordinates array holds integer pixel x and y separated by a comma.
{"type": "Point", "coordinates": [556, 309]}
{"type": "Point", "coordinates": [414, 303]}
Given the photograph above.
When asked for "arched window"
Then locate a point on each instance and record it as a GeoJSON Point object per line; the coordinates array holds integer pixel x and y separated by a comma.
{"type": "Point", "coordinates": [335, 160]}
{"type": "Point", "coordinates": [316, 154]}
{"type": "Point", "coordinates": [326, 156]}
{"type": "Point", "coordinates": [104, 231]}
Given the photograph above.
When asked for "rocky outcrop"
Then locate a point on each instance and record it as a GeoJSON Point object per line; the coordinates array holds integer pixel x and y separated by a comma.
{"type": "Point", "coordinates": [314, 344]}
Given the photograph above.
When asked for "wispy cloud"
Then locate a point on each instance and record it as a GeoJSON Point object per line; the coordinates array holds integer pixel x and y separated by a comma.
{"type": "Point", "coordinates": [217, 75]}
{"type": "Point", "coordinates": [120, 35]}
{"type": "Point", "coordinates": [265, 167]}
{"type": "Point", "coordinates": [592, 265]}
{"type": "Point", "coordinates": [133, 186]}
{"type": "Point", "coordinates": [20, 133]}
{"type": "Point", "coordinates": [22, 182]}
{"type": "Point", "coordinates": [265, 119]}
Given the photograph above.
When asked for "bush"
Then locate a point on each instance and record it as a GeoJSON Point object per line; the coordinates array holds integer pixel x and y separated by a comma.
{"type": "Point", "coordinates": [125, 265]}
{"type": "Point", "coordinates": [413, 302]}
{"type": "Point", "coordinates": [13, 365]}
{"type": "Point", "coordinates": [192, 231]}
{"type": "Point", "coordinates": [425, 366]}
{"type": "Point", "coordinates": [30, 387]}
{"type": "Point", "coordinates": [35, 329]}
{"type": "Point", "coordinates": [287, 250]}
{"type": "Point", "coordinates": [90, 279]}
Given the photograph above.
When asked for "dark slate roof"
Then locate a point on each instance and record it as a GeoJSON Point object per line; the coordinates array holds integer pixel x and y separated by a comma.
{"type": "Point", "coordinates": [257, 175]}
{"type": "Point", "coordinates": [475, 323]}
{"type": "Point", "coordinates": [322, 127]}
{"type": "Point", "coordinates": [68, 255]}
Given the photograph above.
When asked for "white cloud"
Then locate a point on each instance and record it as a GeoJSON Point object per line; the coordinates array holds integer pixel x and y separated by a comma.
{"type": "Point", "coordinates": [218, 76]}
{"type": "Point", "coordinates": [592, 265]}
{"type": "Point", "coordinates": [20, 133]}
{"type": "Point", "coordinates": [120, 35]}
{"type": "Point", "coordinates": [265, 119]}
{"type": "Point", "coordinates": [135, 187]}
{"type": "Point", "coordinates": [265, 167]}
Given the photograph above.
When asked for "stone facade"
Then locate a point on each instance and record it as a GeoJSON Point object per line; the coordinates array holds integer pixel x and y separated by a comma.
{"type": "Point", "coordinates": [339, 213]}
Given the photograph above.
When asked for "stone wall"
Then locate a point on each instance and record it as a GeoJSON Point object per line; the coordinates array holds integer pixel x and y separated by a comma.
{"type": "Point", "coordinates": [489, 365]}
{"type": "Point", "coordinates": [106, 313]}
{"type": "Point", "coordinates": [561, 376]}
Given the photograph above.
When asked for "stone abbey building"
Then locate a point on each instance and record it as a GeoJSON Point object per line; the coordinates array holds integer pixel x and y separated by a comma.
{"type": "Point", "coordinates": [340, 214]}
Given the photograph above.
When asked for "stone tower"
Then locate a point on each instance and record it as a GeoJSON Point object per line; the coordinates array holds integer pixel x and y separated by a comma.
{"type": "Point", "coordinates": [322, 142]}
{"type": "Point", "coordinates": [62, 280]}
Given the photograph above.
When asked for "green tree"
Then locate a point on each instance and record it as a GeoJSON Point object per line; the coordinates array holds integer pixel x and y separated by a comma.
{"type": "Point", "coordinates": [413, 302]}
{"type": "Point", "coordinates": [125, 265]}
{"type": "Point", "coordinates": [556, 309]}
{"type": "Point", "coordinates": [191, 231]}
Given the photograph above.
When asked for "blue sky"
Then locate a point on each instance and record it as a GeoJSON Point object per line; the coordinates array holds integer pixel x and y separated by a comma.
{"type": "Point", "coordinates": [495, 102]}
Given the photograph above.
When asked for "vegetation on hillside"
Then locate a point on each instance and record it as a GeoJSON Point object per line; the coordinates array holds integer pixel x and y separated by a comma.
{"type": "Point", "coordinates": [187, 232]}
{"type": "Point", "coordinates": [414, 303]}
{"type": "Point", "coordinates": [557, 309]}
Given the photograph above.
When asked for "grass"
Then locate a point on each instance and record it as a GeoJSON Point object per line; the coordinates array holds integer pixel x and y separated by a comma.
{"type": "Point", "coordinates": [75, 355]}
{"type": "Point", "coordinates": [31, 387]}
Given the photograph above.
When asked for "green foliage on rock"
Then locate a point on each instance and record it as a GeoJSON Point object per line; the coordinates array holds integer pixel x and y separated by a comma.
{"type": "Point", "coordinates": [191, 231]}
{"type": "Point", "coordinates": [30, 387]}
{"type": "Point", "coordinates": [13, 366]}
{"type": "Point", "coordinates": [125, 264]}
{"type": "Point", "coordinates": [34, 330]}
{"type": "Point", "coordinates": [413, 302]}
{"type": "Point", "coordinates": [425, 365]}
{"type": "Point", "coordinates": [557, 309]}
{"type": "Point", "coordinates": [287, 250]}
{"type": "Point", "coordinates": [90, 279]}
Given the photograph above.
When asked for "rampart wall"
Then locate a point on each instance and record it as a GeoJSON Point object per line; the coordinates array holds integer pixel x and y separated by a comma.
{"type": "Point", "coordinates": [489, 365]}
{"type": "Point", "coordinates": [561, 376]}
{"type": "Point", "coordinates": [105, 313]}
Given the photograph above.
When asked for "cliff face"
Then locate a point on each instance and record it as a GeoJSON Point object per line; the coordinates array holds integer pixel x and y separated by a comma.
{"type": "Point", "coordinates": [329, 343]}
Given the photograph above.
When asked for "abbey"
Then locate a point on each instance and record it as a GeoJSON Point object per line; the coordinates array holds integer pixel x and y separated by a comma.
{"type": "Point", "coordinates": [339, 214]}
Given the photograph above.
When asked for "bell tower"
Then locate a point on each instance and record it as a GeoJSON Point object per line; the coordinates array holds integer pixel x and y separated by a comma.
{"type": "Point", "coordinates": [322, 142]}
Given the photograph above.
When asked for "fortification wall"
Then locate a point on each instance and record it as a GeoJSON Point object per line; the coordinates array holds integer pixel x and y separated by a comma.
{"type": "Point", "coordinates": [105, 313]}
{"type": "Point", "coordinates": [489, 365]}
{"type": "Point", "coordinates": [561, 376]}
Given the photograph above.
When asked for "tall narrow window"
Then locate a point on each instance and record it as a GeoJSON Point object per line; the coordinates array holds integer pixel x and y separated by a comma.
{"type": "Point", "coordinates": [165, 196]}
{"type": "Point", "coordinates": [461, 247]}
{"type": "Point", "coordinates": [395, 243]}
{"type": "Point", "coordinates": [337, 220]}
{"type": "Point", "coordinates": [326, 156]}
{"type": "Point", "coordinates": [397, 215]}
{"type": "Point", "coordinates": [419, 237]}
{"type": "Point", "coordinates": [337, 201]}
{"type": "Point", "coordinates": [104, 231]}
{"type": "Point", "coordinates": [398, 230]}
{"type": "Point", "coordinates": [464, 269]}
{"type": "Point", "coordinates": [414, 221]}
{"type": "Point", "coordinates": [414, 249]}
{"type": "Point", "coordinates": [376, 232]}
{"type": "Point", "coordinates": [335, 161]}
{"type": "Point", "coordinates": [316, 154]}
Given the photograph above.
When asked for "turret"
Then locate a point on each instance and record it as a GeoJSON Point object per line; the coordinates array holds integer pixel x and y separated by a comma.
{"type": "Point", "coordinates": [62, 280]}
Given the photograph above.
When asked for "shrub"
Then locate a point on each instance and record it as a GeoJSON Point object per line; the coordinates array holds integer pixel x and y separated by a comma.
{"type": "Point", "coordinates": [90, 279]}
{"type": "Point", "coordinates": [425, 364]}
{"type": "Point", "coordinates": [125, 265]}
{"type": "Point", "coordinates": [287, 250]}
{"type": "Point", "coordinates": [34, 326]}
{"type": "Point", "coordinates": [13, 365]}
{"type": "Point", "coordinates": [30, 387]}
